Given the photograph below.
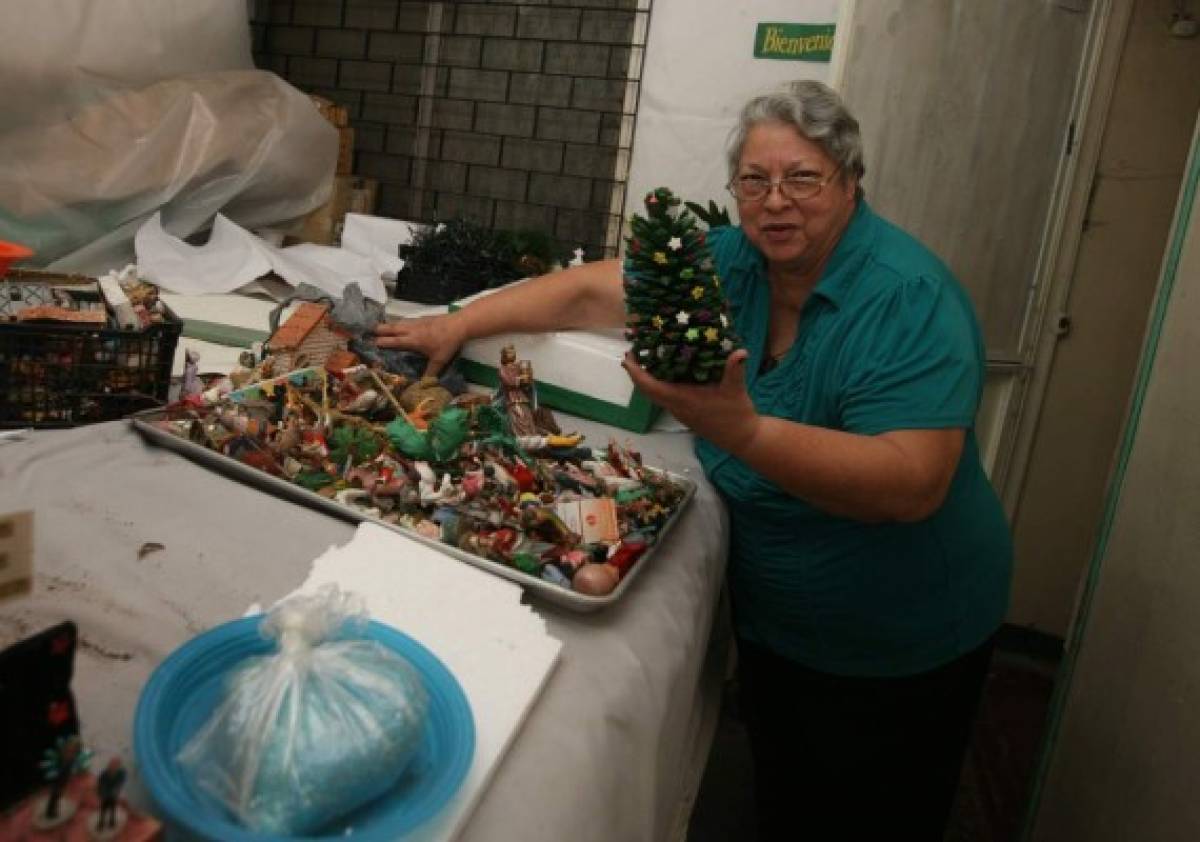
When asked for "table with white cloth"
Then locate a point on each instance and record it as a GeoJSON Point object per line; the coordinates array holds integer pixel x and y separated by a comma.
{"type": "Point", "coordinates": [613, 748]}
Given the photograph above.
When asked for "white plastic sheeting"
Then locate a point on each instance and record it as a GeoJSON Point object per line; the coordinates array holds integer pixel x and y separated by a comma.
{"type": "Point", "coordinates": [699, 70]}
{"type": "Point", "coordinates": [114, 111]}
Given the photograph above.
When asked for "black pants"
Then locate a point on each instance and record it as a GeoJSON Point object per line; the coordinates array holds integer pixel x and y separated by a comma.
{"type": "Point", "coordinates": [848, 758]}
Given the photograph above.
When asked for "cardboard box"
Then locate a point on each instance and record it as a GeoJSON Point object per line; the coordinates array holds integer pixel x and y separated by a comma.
{"type": "Point", "coordinates": [339, 117]}
{"type": "Point", "coordinates": [351, 194]}
{"type": "Point", "coordinates": [576, 371]}
{"type": "Point", "coordinates": [331, 111]}
{"type": "Point", "coordinates": [345, 161]}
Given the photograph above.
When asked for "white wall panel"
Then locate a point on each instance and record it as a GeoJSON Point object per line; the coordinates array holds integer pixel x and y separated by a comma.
{"type": "Point", "coordinates": [699, 70]}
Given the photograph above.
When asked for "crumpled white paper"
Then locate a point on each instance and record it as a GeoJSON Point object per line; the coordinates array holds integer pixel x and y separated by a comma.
{"type": "Point", "coordinates": [377, 238]}
{"type": "Point", "coordinates": [234, 257]}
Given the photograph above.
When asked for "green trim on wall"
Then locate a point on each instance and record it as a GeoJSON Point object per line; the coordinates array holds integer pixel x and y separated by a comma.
{"type": "Point", "coordinates": [1062, 687]}
{"type": "Point", "coordinates": [638, 416]}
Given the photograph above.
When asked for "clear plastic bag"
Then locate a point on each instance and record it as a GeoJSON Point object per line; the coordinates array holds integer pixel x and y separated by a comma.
{"type": "Point", "coordinates": [310, 732]}
{"type": "Point", "coordinates": [115, 111]}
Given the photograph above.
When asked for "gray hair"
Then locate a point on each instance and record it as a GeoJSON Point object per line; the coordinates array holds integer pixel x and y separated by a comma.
{"type": "Point", "coordinates": [813, 109]}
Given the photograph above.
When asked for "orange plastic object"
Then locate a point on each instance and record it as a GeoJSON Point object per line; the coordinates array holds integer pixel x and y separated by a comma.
{"type": "Point", "coordinates": [10, 253]}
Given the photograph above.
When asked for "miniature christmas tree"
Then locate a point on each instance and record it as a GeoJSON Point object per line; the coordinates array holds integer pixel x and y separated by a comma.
{"type": "Point", "coordinates": [677, 318]}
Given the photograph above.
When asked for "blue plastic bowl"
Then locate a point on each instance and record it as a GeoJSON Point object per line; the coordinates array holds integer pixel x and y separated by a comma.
{"type": "Point", "coordinates": [185, 689]}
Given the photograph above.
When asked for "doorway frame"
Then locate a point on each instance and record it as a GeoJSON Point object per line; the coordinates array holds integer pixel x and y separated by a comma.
{"type": "Point", "coordinates": [1015, 413]}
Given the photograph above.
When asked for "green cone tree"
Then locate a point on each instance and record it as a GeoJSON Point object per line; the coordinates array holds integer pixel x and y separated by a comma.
{"type": "Point", "coordinates": [676, 314]}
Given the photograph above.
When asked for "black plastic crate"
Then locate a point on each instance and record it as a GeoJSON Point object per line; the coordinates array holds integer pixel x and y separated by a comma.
{"type": "Point", "coordinates": [64, 375]}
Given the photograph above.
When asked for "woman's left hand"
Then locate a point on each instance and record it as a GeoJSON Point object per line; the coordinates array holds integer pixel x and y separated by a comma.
{"type": "Point", "coordinates": [721, 413]}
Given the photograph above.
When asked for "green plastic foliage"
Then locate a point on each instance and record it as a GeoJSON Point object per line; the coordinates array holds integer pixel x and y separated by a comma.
{"type": "Point", "coordinates": [312, 480]}
{"type": "Point", "coordinates": [447, 432]}
{"type": "Point", "coordinates": [439, 443]}
{"type": "Point", "coordinates": [354, 444]}
{"type": "Point", "coordinates": [492, 426]}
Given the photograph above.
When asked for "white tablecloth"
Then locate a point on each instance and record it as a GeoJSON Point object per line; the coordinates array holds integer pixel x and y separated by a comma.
{"type": "Point", "coordinates": [613, 749]}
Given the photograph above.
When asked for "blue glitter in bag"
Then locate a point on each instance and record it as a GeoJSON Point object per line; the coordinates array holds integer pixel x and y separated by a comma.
{"type": "Point", "coordinates": [312, 731]}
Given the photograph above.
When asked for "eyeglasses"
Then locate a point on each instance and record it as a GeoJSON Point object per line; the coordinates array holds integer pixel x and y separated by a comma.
{"type": "Point", "coordinates": [756, 188]}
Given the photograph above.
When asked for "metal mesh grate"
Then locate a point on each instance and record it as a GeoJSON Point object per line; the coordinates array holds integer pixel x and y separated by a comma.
{"type": "Point", "coordinates": [515, 115]}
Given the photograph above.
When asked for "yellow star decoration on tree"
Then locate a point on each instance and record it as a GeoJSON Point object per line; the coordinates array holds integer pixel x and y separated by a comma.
{"type": "Point", "coordinates": [657, 321]}
{"type": "Point", "coordinates": [660, 257]}
{"type": "Point", "coordinates": [697, 293]}
{"type": "Point", "coordinates": [711, 334]}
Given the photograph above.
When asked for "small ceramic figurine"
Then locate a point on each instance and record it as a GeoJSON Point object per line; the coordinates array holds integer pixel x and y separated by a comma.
{"type": "Point", "coordinates": [59, 764]}
{"type": "Point", "coordinates": [246, 371]}
{"type": "Point", "coordinates": [516, 392]}
{"type": "Point", "coordinates": [514, 488]}
{"type": "Point", "coordinates": [542, 522]}
{"type": "Point", "coordinates": [107, 822]}
{"type": "Point", "coordinates": [191, 374]}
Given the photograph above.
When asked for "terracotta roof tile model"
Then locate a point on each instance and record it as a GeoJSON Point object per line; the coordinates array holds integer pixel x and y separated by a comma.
{"type": "Point", "coordinates": [307, 338]}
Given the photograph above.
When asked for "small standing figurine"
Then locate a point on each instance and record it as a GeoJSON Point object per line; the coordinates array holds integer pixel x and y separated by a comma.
{"type": "Point", "coordinates": [110, 818]}
{"type": "Point", "coordinates": [191, 374]}
{"type": "Point", "coordinates": [245, 372]}
{"type": "Point", "coordinates": [59, 764]}
{"type": "Point", "coordinates": [516, 392]}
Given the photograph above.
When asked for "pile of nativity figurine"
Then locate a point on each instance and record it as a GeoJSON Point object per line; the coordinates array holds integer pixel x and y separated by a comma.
{"type": "Point", "coordinates": [492, 475]}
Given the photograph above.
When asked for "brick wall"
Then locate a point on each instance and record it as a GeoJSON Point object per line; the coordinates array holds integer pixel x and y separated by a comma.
{"type": "Point", "coordinates": [518, 114]}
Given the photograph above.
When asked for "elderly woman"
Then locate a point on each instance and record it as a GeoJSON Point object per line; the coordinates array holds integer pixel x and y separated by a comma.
{"type": "Point", "coordinates": [870, 558]}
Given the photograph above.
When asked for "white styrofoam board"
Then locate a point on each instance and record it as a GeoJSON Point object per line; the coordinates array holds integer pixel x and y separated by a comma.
{"type": "Point", "coordinates": [502, 658]}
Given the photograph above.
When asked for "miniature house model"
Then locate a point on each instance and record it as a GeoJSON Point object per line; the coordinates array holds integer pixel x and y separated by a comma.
{"type": "Point", "coordinates": [307, 338]}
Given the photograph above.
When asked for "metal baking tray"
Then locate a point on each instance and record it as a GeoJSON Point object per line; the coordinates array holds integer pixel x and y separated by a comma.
{"type": "Point", "coordinates": [143, 422]}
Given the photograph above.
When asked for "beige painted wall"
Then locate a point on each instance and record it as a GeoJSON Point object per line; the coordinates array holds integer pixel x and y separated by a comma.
{"type": "Point", "coordinates": [1142, 157]}
{"type": "Point", "coordinates": [1126, 763]}
{"type": "Point", "coordinates": [935, 85]}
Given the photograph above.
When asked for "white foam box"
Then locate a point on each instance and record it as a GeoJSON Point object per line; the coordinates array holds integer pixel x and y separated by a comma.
{"type": "Point", "coordinates": [576, 371]}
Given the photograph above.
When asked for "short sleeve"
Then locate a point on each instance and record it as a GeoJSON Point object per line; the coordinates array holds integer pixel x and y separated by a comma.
{"type": "Point", "coordinates": [913, 360]}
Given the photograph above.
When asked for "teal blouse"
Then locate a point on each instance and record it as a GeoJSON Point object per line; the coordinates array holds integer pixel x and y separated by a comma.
{"type": "Point", "coordinates": [887, 340]}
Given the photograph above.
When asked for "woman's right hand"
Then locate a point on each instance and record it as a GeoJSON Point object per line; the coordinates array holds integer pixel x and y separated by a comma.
{"type": "Point", "coordinates": [437, 337]}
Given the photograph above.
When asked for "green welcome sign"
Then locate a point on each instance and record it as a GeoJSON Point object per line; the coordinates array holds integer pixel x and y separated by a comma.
{"type": "Point", "coordinates": [794, 41]}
